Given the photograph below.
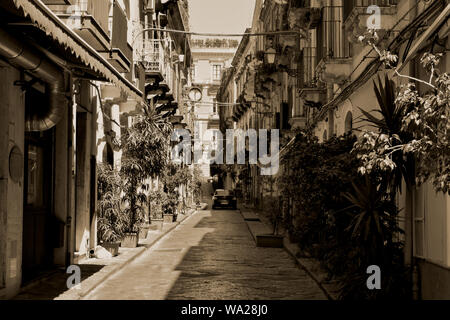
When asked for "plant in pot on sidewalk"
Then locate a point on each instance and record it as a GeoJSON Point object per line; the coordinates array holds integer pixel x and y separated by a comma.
{"type": "Point", "coordinates": [275, 239]}
{"type": "Point", "coordinates": [273, 211]}
{"type": "Point", "coordinates": [173, 178]}
{"type": "Point", "coordinates": [111, 220]}
{"type": "Point", "coordinates": [170, 201]}
{"type": "Point", "coordinates": [195, 186]}
{"type": "Point", "coordinates": [155, 200]}
{"type": "Point", "coordinates": [133, 200]}
{"type": "Point", "coordinates": [145, 155]}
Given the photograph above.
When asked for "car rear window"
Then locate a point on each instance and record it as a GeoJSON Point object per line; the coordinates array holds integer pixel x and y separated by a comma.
{"type": "Point", "coordinates": [223, 193]}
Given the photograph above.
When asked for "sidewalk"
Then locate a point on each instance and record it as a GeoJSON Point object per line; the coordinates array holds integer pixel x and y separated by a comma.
{"type": "Point", "coordinates": [94, 271]}
{"type": "Point", "coordinates": [258, 223]}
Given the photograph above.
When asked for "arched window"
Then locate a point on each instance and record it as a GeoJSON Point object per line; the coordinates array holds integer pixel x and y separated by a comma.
{"type": "Point", "coordinates": [348, 122]}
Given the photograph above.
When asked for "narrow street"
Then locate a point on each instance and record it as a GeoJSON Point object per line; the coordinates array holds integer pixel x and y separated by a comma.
{"type": "Point", "coordinates": [211, 255]}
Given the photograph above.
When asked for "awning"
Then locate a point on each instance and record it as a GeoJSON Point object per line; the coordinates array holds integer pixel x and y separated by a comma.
{"type": "Point", "coordinates": [47, 21]}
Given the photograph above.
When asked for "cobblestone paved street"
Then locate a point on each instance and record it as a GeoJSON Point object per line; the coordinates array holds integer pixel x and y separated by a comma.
{"type": "Point", "coordinates": [211, 255]}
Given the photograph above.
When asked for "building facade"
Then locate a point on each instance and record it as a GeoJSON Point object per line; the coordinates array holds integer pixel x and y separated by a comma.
{"type": "Point", "coordinates": [210, 57]}
{"type": "Point", "coordinates": [318, 81]}
{"type": "Point", "coordinates": [74, 73]}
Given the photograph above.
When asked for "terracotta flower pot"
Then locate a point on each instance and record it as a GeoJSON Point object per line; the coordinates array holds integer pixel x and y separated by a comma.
{"type": "Point", "coordinates": [143, 231]}
{"type": "Point", "coordinates": [130, 240]}
{"type": "Point", "coordinates": [156, 224]}
{"type": "Point", "coordinates": [168, 218]}
{"type": "Point", "coordinates": [269, 241]}
{"type": "Point", "coordinates": [112, 247]}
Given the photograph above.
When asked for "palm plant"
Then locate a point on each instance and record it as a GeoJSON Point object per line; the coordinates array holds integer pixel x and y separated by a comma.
{"type": "Point", "coordinates": [111, 220]}
{"type": "Point", "coordinates": [391, 113]}
{"type": "Point", "coordinates": [145, 155]}
{"type": "Point", "coordinates": [375, 218]}
{"type": "Point", "coordinates": [134, 198]}
{"type": "Point", "coordinates": [373, 229]}
{"type": "Point", "coordinates": [391, 124]}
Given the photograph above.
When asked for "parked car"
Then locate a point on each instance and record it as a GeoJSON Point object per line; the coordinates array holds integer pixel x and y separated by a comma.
{"type": "Point", "coordinates": [224, 198]}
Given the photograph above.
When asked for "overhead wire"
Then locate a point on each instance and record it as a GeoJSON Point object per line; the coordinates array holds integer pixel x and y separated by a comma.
{"type": "Point", "coordinates": [326, 107]}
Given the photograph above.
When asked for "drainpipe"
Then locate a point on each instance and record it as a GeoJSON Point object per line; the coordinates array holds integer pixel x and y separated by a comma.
{"type": "Point", "coordinates": [29, 59]}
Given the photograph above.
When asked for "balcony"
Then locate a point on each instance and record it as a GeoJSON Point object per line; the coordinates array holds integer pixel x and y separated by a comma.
{"type": "Point", "coordinates": [120, 53]}
{"type": "Point", "coordinates": [355, 17]}
{"type": "Point", "coordinates": [312, 92]}
{"type": "Point", "coordinates": [88, 18]}
{"type": "Point", "coordinates": [154, 56]}
{"type": "Point", "coordinates": [309, 62]}
{"type": "Point", "coordinates": [311, 89]}
{"type": "Point", "coordinates": [304, 18]}
{"type": "Point", "coordinates": [214, 121]}
{"type": "Point", "coordinates": [334, 70]}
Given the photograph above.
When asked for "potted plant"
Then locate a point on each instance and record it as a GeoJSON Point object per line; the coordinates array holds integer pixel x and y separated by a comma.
{"type": "Point", "coordinates": [155, 200]}
{"type": "Point", "coordinates": [271, 203]}
{"type": "Point", "coordinates": [274, 240]}
{"type": "Point", "coordinates": [145, 155]}
{"type": "Point", "coordinates": [143, 230]}
{"type": "Point", "coordinates": [133, 200]}
{"type": "Point", "coordinates": [168, 207]}
{"type": "Point", "coordinates": [174, 176]}
{"type": "Point", "coordinates": [110, 222]}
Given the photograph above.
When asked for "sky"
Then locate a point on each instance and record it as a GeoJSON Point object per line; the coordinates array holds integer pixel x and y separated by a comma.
{"type": "Point", "coordinates": [221, 16]}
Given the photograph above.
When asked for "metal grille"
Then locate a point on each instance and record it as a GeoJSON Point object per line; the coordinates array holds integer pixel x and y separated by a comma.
{"type": "Point", "coordinates": [154, 53]}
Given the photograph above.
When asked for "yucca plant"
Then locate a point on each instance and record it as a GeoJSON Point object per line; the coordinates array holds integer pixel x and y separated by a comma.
{"type": "Point", "coordinates": [373, 230]}
{"type": "Point", "coordinates": [391, 124]}
{"type": "Point", "coordinates": [375, 217]}
{"type": "Point", "coordinates": [391, 113]}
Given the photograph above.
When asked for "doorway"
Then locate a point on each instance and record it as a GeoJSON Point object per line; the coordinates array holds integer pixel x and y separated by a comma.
{"type": "Point", "coordinates": [37, 252]}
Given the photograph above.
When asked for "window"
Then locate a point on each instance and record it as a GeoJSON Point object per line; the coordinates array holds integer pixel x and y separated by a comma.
{"type": "Point", "coordinates": [224, 193]}
{"type": "Point", "coordinates": [217, 71]}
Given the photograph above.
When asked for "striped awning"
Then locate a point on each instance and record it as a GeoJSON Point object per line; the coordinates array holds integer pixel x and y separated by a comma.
{"type": "Point", "coordinates": [54, 27]}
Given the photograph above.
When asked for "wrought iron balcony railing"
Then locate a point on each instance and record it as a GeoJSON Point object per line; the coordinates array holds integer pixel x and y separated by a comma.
{"type": "Point", "coordinates": [155, 55]}
{"type": "Point", "coordinates": [309, 58]}
{"type": "Point", "coordinates": [349, 5]}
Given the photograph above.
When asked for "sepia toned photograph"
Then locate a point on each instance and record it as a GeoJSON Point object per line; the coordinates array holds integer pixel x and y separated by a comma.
{"type": "Point", "coordinates": [224, 154]}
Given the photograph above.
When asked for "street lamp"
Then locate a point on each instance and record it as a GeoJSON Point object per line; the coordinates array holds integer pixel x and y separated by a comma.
{"type": "Point", "coordinates": [270, 55]}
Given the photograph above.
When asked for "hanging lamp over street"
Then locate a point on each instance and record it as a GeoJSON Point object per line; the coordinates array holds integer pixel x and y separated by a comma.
{"type": "Point", "coordinates": [270, 55]}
